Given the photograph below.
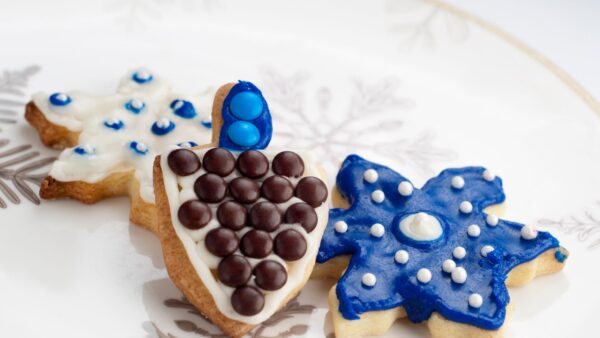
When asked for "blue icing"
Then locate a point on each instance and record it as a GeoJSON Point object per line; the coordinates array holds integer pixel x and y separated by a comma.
{"type": "Point", "coordinates": [162, 127]}
{"type": "Point", "coordinates": [84, 150]}
{"type": "Point", "coordinates": [397, 284]}
{"type": "Point", "coordinates": [114, 124]}
{"type": "Point", "coordinates": [246, 134]}
{"type": "Point", "coordinates": [246, 106]}
{"type": "Point", "coordinates": [138, 148]}
{"type": "Point", "coordinates": [135, 106]}
{"type": "Point", "coordinates": [59, 99]}
{"type": "Point", "coordinates": [188, 144]}
{"type": "Point", "coordinates": [206, 123]}
{"type": "Point", "coordinates": [561, 255]}
{"type": "Point", "coordinates": [142, 77]}
{"type": "Point", "coordinates": [183, 109]}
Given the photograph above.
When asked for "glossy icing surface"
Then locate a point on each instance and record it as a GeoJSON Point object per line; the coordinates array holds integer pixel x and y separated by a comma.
{"type": "Point", "coordinates": [417, 274]}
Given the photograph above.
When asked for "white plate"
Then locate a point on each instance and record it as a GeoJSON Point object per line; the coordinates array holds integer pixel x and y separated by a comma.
{"type": "Point", "coordinates": [411, 84]}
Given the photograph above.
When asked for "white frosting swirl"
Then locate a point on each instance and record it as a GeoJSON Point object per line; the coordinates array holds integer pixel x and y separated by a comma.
{"type": "Point", "coordinates": [421, 227]}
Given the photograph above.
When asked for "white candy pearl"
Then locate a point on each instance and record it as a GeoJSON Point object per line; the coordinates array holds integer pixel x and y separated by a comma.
{"type": "Point", "coordinates": [529, 232]}
{"type": "Point", "coordinates": [137, 103]}
{"type": "Point", "coordinates": [475, 300]}
{"type": "Point", "coordinates": [486, 249]}
{"type": "Point", "coordinates": [143, 74]}
{"type": "Point", "coordinates": [492, 220]}
{"type": "Point", "coordinates": [459, 275]}
{"type": "Point", "coordinates": [141, 147]}
{"type": "Point", "coordinates": [341, 227]}
{"type": "Point", "coordinates": [466, 207]}
{"type": "Point", "coordinates": [424, 276]}
{"type": "Point", "coordinates": [377, 230]}
{"type": "Point", "coordinates": [459, 252]}
{"type": "Point", "coordinates": [178, 104]}
{"type": "Point", "coordinates": [488, 175]}
{"type": "Point", "coordinates": [378, 196]}
{"type": "Point", "coordinates": [474, 230]}
{"type": "Point", "coordinates": [163, 123]}
{"type": "Point", "coordinates": [401, 257]}
{"type": "Point", "coordinates": [88, 148]}
{"type": "Point", "coordinates": [369, 279]}
{"type": "Point", "coordinates": [62, 97]}
{"type": "Point", "coordinates": [448, 266]}
{"type": "Point", "coordinates": [405, 188]}
{"type": "Point", "coordinates": [458, 182]}
{"type": "Point", "coordinates": [370, 176]}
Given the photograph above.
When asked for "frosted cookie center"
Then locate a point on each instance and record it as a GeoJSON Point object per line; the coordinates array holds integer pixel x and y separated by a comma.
{"type": "Point", "coordinates": [421, 227]}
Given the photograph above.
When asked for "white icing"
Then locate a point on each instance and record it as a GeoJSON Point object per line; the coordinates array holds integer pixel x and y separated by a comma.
{"type": "Point", "coordinates": [491, 220]}
{"type": "Point", "coordinates": [488, 176]}
{"type": "Point", "coordinates": [458, 182]}
{"type": "Point", "coordinates": [378, 196]}
{"type": "Point", "coordinates": [459, 252]}
{"type": "Point", "coordinates": [86, 113]}
{"type": "Point", "coordinates": [401, 257]}
{"type": "Point", "coordinates": [377, 230]}
{"type": "Point", "coordinates": [486, 249]}
{"type": "Point", "coordinates": [473, 230]}
{"type": "Point", "coordinates": [424, 275]}
{"type": "Point", "coordinates": [529, 232]}
{"type": "Point", "coordinates": [448, 265]}
{"type": "Point", "coordinates": [466, 207]}
{"type": "Point", "coordinates": [370, 175]}
{"type": "Point", "coordinates": [421, 227]}
{"type": "Point", "coordinates": [341, 226]}
{"type": "Point", "coordinates": [369, 279]}
{"type": "Point", "coordinates": [459, 275]}
{"type": "Point", "coordinates": [405, 188]}
{"type": "Point", "coordinates": [203, 261]}
{"type": "Point", "coordinates": [475, 300]}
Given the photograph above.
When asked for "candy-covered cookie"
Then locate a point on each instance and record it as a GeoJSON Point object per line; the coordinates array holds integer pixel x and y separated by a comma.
{"type": "Point", "coordinates": [111, 141]}
{"type": "Point", "coordinates": [240, 226]}
{"type": "Point", "coordinates": [434, 255]}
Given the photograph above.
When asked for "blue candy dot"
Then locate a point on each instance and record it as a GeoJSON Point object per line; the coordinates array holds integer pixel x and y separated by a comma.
{"type": "Point", "coordinates": [135, 106]}
{"type": "Point", "coordinates": [114, 124]}
{"type": "Point", "coordinates": [560, 256]}
{"type": "Point", "coordinates": [206, 123]}
{"type": "Point", "coordinates": [142, 77]}
{"type": "Point", "coordinates": [183, 109]}
{"type": "Point", "coordinates": [59, 99]}
{"type": "Point", "coordinates": [246, 106]}
{"type": "Point", "coordinates": [162, 127]}
{"type": "Point", "coordinates": [188, 144]}
{"type": "Point", "coordinates": [83, 150]}
{"type": "Point", "coordinates": [138, 148]}
{"type": "Point", "coordinates": [243, 134]}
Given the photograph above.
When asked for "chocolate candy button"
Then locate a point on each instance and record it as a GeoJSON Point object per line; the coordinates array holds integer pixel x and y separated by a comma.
{"type": "Point", "coordinates": [256, 244]}
{"type": "Point", "coordinates": [234, 270]}
{"type": "Point", "coordinates": [290, 245]}
{"type": "Point", "coordinates": [302, 213]}
{"type": "Point", "coordinates": [288, 163]}
{"type": "Point", "coordinates": [277, 189]}
{"type": "Point", "coordinates": [183, 162]}
{"type": "Point", "coordinates": [194, 214]}
{"type": "Point", "coordinates": [253, 164]}
{"type": "Point", "coordinates": [210, 188]}
{"type": "Point", "coordinates": [247, 300]}
{"type": "Point", "coordinates": [312, 191]}
{"type": "Point", "coordinates": [232, 215]}
{"type": "Point", "coordinates": [265, 216]}
{"type": "Point", "coordinates": [244, 190]}
{"type": "Point", "coordinates": [219, 161]}
{"type": "Point", "coordinates": [221, 242]}
{"type": "Point", "coordinates": [270, 275]}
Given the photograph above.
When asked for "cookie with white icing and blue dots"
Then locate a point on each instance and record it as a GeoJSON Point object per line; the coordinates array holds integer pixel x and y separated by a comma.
{"type": "Point", "coordinates": [437, 255]}
{"type": "Point", "coordinates": [111, 140]}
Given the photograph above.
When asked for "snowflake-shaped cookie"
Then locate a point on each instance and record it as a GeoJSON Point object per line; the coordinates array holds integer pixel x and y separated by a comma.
{"type": "Point", "coordinates": [429, 249]}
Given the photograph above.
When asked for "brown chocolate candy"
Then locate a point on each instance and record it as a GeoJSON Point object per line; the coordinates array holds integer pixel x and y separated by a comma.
{"type": "Point", "coordinates": [277, 189]}
{"type": "Point", "coordinates": [312, 191]}
{"type": "Point", "coordinates": [232, 215]}
{"type": "Point", "coordinates": [265, 216]}
{"type": "Point", "coordinates": [256, 244]}
{"type": "Point", "coordinates": [247, 300]}
{"type": "Point", "coordinates": [210, 188]}
{"type": "Point", "coordinates": [234, 270]}
{"type": "Point", "coordinates": [244, 190]}
{"type": "Point", "coordinates": [302, 213]}
{"type": "Point", "coordinates": [221, 242]}
{"type": "Point", "coordinates": [183, 162]}
{"type": "Point", "coordinates": [219, 161]}
{"type": "Point", "coordinates": [290, 245]}
{"type": "Point", "coordinates": [194, 214]}
{"type": "Point", "coordinates": [270, 275]}
{"type": "Point", "coordinates": [253, 164]}
{"type": "Point", "coordinates": [288, 163]}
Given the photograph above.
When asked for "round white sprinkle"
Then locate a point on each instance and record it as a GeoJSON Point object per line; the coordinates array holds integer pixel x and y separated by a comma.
{"type": "Point", "coordinates": [458, 182]}
{"type": "Point", "coordinates": [486, 249]}
{"type": "Point", "coordinates": [405, 188]}
{"type": "Point", "coordinates": [377, 196]}
{"type": "Point", "coordinates": [529, 232]}
{"type": "Point", "coordinates": [62, 97]}
{"type": "Point", "coordinates": [137, 103]}
{"type": "Point", "coordinates": [401, 257]}
{"type": "Point", "coordinates": [424, 276]}
{"type": "Point", "coordinates": [178, 104]}
{"type": "Point", "coordinates": [341, 227]}
{"type": "Point", "coordinates": [88, 148]}
{"type": "Point", "coordinates": [370, 175]}
{"type": "Point", "coordinates": [474, 230]}
{"type": "Point", "coordinates": [488, 175]}
{"type": "Point", "coordinates": [369, 279]}
{"type": "Point", "coordinates": [448, 266]}
{"type": "Point", "coordinates": [377, 230]}
{"type": "Point", "coordinates": [459, 252]}
{"type": "Point", "coordinates": [466, 207]}
{"type": "Point", "coordinates": [163, 122]}
{"type": "Point", "coordinates": [492, 220]}
{"type": "Point", "coordinates": [459, 275]}
{"type": "Point", "coordinates": [143, 74]}
{"type": "Point", "coordinates": [140, 146]}
{"type": "Point", "coordinates": [475, 300]}
{"type": "Point", "coordinates": [185, 145]}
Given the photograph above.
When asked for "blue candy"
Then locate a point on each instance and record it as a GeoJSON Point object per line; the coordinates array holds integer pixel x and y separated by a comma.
{"type": "Point", "coordinates": [246, 106]}
{"type": "Point", "coordinates": [183, 109]}
{"type": "Point", "coordinates": [59, 99]}
{"type": "Point", "coordinates": [244, 134]}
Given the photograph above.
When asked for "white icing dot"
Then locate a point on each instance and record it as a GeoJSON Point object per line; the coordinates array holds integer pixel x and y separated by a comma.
{"type": "Point", "coordinates": [459, 275]}
{"type": "Point", "coordinates": [421, 227]}
{"type": "Point", "coordinates": [459, 252]}
{"type": "Point", "coordinates": [140, 146]}
{"type": "Point", "coordinates": [466, 207]}
{"type": "Point", "coordinates": [178, 104]}
{"type": "Point", "coordinates": [458, 182]}
{"type": "Point", "coordinates": [448, 266]}
{"type": "Point", "coordinates": [143, 74]}
{"type": "Point", "coordinates": [341, 227]}
{"type": "Point", "coordinates": [486, 249]}
{"type": "Point", "coordinates": [424, 275]}
{"type": "Point", "coordinates": [475, 300]}
{"type": "Point", "coordinates": [378, 196]}
{"type": "Point", "coordinates": [370, 175]}
{"type": "Point", "coordinates": [163, 122]}
{"type": "Point", "coordinates": [88, 148]}
{"type": "Point", "coordinates": [488, 175]}
{"type": "Point", "coordinates": [529, 232]}
{"type": "Point", "coordinates": [62, 97]}
{"type": "Point", "coordinates": [137, 103]}
{"type": "Point", "coordinates": [473, 230]}
{"type": "Point", "coordinates": [377, 230]}
{"type": "Point", "coordinates": [369, 279]}
{"type": "Point", "coordinates": [492, 220]}
{"type": "Point", "coordinates": [185, 145]}
{"type": "Point", "coordinates": [405, 188]}
{"type": "Point", "coordinates": [401, 257]}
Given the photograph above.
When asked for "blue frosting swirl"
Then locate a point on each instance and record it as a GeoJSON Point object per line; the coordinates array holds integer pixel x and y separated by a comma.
{"type": "Point", "coordinates": [162, 127]}
{"type": "Point", "coordinates": [114, 124]}
{"type": "Point", "coordinates": [138, 148]}
{"type": "Point", "coordinates": [183, 109]}
{"type": "Point", "coordinates": [142, 77]}
{"type": "Point", "coordinates": [135, 106]}
{"type": "Point", "coordinates": [59, 99]}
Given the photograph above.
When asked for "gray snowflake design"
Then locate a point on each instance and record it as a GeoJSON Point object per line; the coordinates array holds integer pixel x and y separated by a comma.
{"type": "Point", "coordinates": [585, 225]}
{"type": "Point", "coordinates": [12, 91]}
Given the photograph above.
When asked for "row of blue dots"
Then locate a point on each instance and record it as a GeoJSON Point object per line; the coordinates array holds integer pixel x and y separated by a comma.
{"type": "Point", "coordinates": [139, 148]}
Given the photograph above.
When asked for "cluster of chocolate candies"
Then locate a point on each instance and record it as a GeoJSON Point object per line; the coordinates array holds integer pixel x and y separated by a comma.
{"type": "Point", "coordinates": [237, 206]}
